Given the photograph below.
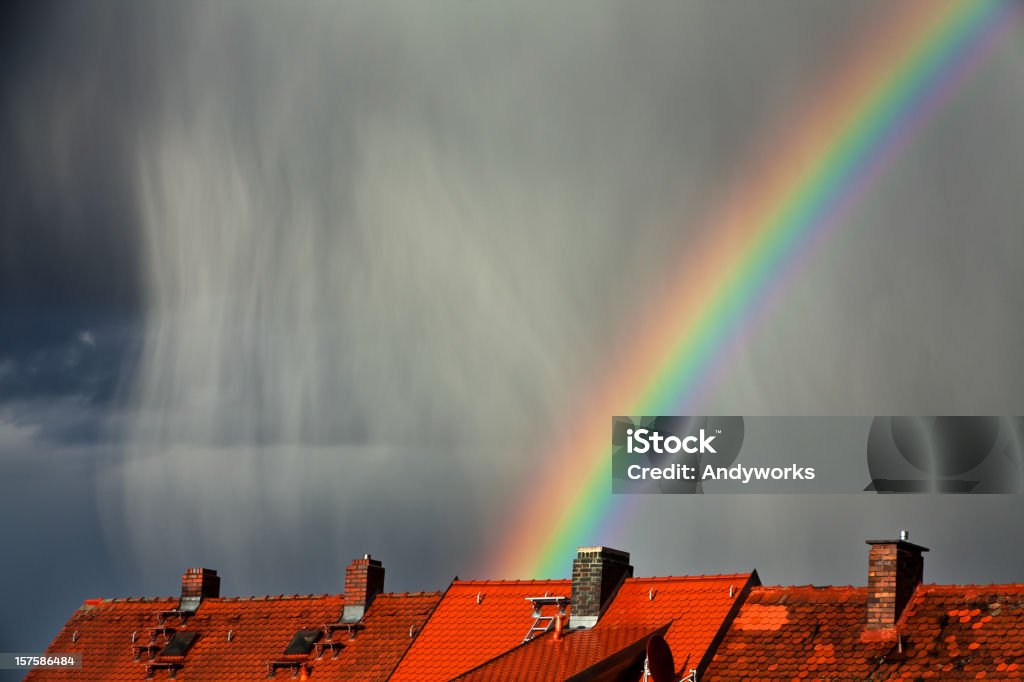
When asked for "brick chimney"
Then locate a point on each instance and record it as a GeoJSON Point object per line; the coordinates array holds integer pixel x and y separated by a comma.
{"type": "Point", "coordinates": [198, 584]}
{"type": "Point", "coordinates": [597, 573]}
{"type": "Point", "coordinates": [895, 568]}
{"type": "Point", "coordinates": [364, 580]}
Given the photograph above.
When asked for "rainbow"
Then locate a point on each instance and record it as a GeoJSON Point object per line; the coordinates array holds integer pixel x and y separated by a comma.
{"type": "Point", "coordinates": [797, 194]}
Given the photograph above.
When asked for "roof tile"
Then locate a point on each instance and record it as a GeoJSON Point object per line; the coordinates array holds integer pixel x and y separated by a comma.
{"type": "Point", "coordinates": [474, 622]}
{"type": "Point", "coordinates": [945, 632]}
{"type": "Point", "coordinates": [238, 637]}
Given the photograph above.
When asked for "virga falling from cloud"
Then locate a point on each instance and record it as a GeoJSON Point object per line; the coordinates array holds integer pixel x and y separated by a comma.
{"type": "Point", "coordinates": [385, 239]}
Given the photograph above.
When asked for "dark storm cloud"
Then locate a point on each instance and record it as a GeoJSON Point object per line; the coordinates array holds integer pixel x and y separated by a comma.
{"type": "Point", "coordinates": [52, 356]}
{"type": "Point", "coordinates": [69, 286]}
{"type": "Point", "coordinates": [71, 96]}
{"type": "Point", "coordinates": [69, 298]}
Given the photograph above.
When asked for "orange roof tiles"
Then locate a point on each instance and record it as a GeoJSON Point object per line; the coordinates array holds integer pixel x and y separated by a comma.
{"type": "Point", "coordinates": [237, 637]}
{"type": "Point", "coordinates": [474, 622]}
{"type": "Point", "coordinates": [391, 624]}
{"type": "Point", "coordinates": [101, 630]}
{"type": "Point", "coordinates": [579, 652]}
{"type": "Point", "coordinates": [726, 626]}
{"type": "Point", "coordinates": [945, 632]}
{"type": "Point", "coordinates": [463, 634]}
{"type": "Point", "coordinates": [696, 606]}
{"type": "Point", "coordinates": [973, 631]}
{"type": "Point", "coordinates": [798, 632]}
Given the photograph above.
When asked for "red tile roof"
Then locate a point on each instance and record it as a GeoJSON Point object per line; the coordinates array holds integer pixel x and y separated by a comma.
{"type": "Point", "coordinates": [946, 632]}
{"type": "Point", "coordinates": [974, 631]}
{"type": "Point", "coordinates": [579, 652]}
{"type": "Point", "coordinates": [794, 632]}
{"type": "Point", "coordinates": [474, 622]}
{"type": "Point", "coordinates": [696, 606]}
{"type": "Point", "coordinates": [463, 634]}
{"type": "Point", "coordinates": [260, 628]}
{"type": "Point", "coordinates": [725, 626]}
{"type": "Point", "coordinates": [101, 630]}
{"type": "Point", "coordinates": [391, 624]}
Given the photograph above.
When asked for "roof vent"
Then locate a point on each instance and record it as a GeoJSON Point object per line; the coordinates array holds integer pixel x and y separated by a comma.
{"type": "Point", "coordinates": [179, 644]}
{"type": "Point", "coordinates": [543, 622]}
{"type": "Point", "coordinates": [303, 641]}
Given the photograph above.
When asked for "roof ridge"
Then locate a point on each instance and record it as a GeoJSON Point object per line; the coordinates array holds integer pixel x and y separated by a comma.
{"type": "Point", "coordinates": [696, 577]}
{"type": "Point", "coordinates": [822, 588]}
{"type": "Point", "coordinates": [272, 597]}
{"type": "Point", "coordinates": [973, 586]}
{"type": "Point", "coordinates": [131, 600]}
{"type": "Point", "coordinates": [567, 636]}
{"type": "Point", "coordinates": [925, 586]}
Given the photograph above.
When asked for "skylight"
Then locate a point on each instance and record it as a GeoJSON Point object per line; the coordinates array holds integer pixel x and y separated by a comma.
{"type": "Point", "coordinates": [302, 642]}
{"type": "Point", "coordinates": [179, 643]}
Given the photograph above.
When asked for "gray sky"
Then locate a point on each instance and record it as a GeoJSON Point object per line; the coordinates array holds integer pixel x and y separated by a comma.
{"type": "Point", "coordinates": [283, 284]}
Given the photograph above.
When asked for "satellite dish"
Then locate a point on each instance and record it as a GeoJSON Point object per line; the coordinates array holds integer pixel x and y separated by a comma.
{"type": "Point", "coordinates": [659, 660]}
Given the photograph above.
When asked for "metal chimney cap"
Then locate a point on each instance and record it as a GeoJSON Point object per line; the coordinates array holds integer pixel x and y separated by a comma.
{"type": "Point", "coordinates": [900, 543]}
{"type": "Point", "coordinates": [905, 535]}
